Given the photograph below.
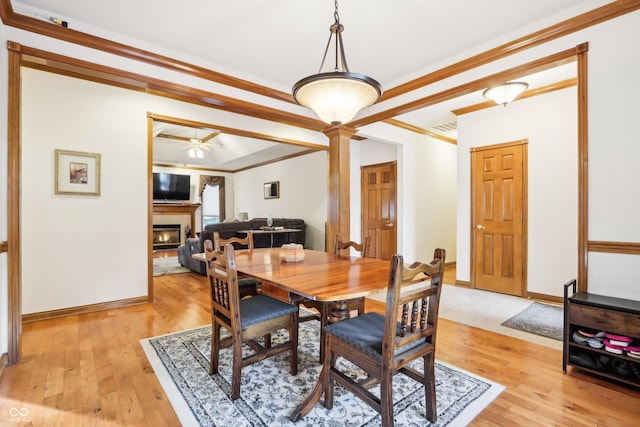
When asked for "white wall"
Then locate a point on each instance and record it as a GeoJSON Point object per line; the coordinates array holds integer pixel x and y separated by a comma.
{"type": "Point", "coordinates": [614, 150]}
{"type": "Point", "coordinates": [303, 193]}
{"type": "Point", "coordinates": [431, 191]}
{"type": "Point", "coordinates": [80, 250]}
{"type": "Point", "coordinates": [549, 122]}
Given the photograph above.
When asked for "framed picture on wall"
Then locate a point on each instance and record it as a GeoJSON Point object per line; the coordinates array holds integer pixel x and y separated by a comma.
{"type": "Point", "coordinates": [77, 173]}
{"type": "Point", "coordinates": [272, 190]}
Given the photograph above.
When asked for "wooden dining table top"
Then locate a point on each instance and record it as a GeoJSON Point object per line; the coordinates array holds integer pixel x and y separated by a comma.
{"type": "Point", "coordinates": [321, 276]}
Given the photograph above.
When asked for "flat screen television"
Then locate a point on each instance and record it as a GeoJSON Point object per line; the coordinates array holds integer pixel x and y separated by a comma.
{"type": "Point", "coordinates": [169, 186]}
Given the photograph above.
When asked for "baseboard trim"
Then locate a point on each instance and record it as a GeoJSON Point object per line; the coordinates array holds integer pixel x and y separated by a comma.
{"type": "Point", "coordinates": [463, 283]}
{"type": "Point", "coordinates": [73, 311]}
{"type": "Point", "coordinates": [545, 297]}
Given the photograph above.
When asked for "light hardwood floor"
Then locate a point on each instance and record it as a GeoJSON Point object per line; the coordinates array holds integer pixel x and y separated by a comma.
{"type": "Point", "coordinates": [91, 370]}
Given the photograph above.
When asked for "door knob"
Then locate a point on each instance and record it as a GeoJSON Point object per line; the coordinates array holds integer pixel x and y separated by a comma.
{"type": "Point", "coordinates": [390, 224]}
{"type": "Point", "coordinates": [480, 227]}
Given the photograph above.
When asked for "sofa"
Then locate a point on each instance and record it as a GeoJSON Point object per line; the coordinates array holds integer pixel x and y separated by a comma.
{"type": "Point", "coordinates": [233, 229]}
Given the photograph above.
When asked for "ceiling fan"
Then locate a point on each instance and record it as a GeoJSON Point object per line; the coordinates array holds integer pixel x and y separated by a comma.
{"type": "Point", "coordinates": [195, 145]}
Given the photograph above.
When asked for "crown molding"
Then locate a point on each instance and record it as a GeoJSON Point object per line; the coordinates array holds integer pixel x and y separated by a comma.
{"type": "Point", "coordinates": [580, 22]}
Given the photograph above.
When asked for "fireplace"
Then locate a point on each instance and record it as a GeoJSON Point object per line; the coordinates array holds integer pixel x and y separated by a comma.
{"type": "Point", "coordinates": [166, 236]}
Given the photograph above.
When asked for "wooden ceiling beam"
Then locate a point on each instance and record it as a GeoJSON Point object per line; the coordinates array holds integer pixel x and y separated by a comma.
{"type": "Point", "coordinates": [577, 23]}
{"type": "Point", "coordinates": [420, 130]}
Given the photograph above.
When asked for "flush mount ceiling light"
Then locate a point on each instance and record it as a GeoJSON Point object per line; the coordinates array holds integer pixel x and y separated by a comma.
{"type": "Point", "coordinates": [338, 95]}
{"type": "Point", "coordinates": [505, 93]}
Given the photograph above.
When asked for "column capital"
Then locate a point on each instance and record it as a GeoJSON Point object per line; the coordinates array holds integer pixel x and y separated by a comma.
{"type": "Point", "coordinates": [339, 130]}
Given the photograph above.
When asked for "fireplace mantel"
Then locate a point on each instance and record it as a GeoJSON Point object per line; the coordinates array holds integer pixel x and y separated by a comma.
{"type": "Point", "coordinates": [178, 209]}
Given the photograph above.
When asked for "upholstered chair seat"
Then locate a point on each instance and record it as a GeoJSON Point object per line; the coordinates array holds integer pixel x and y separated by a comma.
{"type": "Point", "coordinates": [365, 333]}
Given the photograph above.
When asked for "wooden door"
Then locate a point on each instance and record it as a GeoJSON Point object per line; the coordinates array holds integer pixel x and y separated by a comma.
{"type": "Point", "coordinates": [498, 180]}
{"type": "Point", "coordinates": [379, 216]}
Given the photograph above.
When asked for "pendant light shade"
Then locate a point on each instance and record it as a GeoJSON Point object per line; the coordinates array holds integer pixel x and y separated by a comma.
{"type": "Point", "coordinates": [337, 96]}
{"type": "Point", "coordinates": [505, 93]}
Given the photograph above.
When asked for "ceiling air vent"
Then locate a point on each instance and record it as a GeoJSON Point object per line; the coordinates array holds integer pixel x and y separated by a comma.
{"type": "Point", "coordinates": [446, 127]}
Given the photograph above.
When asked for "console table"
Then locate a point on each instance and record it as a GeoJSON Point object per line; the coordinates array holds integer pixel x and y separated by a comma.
{"type": "Point", "coordinates": [272, 232]}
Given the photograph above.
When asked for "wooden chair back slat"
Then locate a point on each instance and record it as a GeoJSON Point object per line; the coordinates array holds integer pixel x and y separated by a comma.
{"type": "Point", "coordinates": [248, 287]}
{"type": "Point", "coordinates": [418, 306]}
{"type": "Point", "coordinates": [223, 278]}
{"type": "Point", "coordinates": [219, 243]}
{"type": "Point", "coordinates": [363, 248]}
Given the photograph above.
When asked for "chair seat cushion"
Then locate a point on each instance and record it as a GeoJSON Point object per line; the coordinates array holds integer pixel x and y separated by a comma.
{"type": "Point", "coordinates": [260, 308]}
{"type": "Point", "coordinates": [247, 283]}
{"type": "Point", "coordinates": [365, 333]}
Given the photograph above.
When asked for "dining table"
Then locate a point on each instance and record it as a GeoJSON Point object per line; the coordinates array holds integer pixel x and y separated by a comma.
{"type": "Point", "coordinates": [319, 276]}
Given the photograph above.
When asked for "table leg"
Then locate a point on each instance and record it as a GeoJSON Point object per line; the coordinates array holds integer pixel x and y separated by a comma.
{"type": "Point", "coordinates": [331, 313]}
{"type": "Point", "coordinates": [338, 311]}
{"type": "Point", "coordinates": [314, 397]}
{"type": "Point", "coordinates": [324, 319]}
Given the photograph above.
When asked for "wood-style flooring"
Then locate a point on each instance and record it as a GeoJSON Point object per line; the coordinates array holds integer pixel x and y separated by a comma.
{"type": "Point", "coordinates": [91, 370]}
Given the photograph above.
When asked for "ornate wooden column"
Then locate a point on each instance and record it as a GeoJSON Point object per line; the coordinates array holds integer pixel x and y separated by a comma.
{"type": "Point", "coordinates": [338, 182]}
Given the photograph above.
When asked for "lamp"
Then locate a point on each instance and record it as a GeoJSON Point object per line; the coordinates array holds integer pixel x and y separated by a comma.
{"type": "Point", "coordinates": [336, 96]}
{"type": "Point", "coordinates": [505, 92]}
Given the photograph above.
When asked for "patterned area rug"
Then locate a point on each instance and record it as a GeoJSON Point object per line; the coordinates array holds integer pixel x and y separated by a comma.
{"type": "Point", "coordinates": [269, 393]}
{"type": "Point", "coordinates": [167, 265]}
{"type": "Point", "coordinates": [540, 319]}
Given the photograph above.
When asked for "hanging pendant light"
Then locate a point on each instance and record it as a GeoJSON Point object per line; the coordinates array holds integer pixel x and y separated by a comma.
{"type": "Point", "coordinates": [505, 93]}
{"type": "Point", "coordinates": [336, 96]}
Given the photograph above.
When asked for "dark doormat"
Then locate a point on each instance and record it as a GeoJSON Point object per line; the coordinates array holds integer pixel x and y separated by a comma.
{"type": "Point", "coordinates": [540, 319]}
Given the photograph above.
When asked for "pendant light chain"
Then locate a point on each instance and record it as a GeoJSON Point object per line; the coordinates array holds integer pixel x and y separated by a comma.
{"type": "Point", "coordinates": [336, 29]}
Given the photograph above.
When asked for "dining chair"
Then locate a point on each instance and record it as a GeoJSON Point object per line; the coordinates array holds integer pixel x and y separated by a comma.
{"type": "Point", "coordinates": [246, 319]}
{"type": "Point", "coordinates": [325, 309]}
{"type": "Point", "coordinates": [338, 247]}
{"type": "Point", "coordinates": [363, 248]}
{"type": "Point", "coordinates": [384, 345]}
{"type": "Point", "coordinates": [248, 285]}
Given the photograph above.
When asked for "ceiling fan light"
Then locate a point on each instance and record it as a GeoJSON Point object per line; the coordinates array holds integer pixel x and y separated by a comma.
{"type": "Point", "coordinates": [336, 97]}
{"type": "Point", "coordinates": [192, 153]}
{"type": "Point", "coordinates": [199, 154]}
{"type": "Point", "coordinates": [505, 93]}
